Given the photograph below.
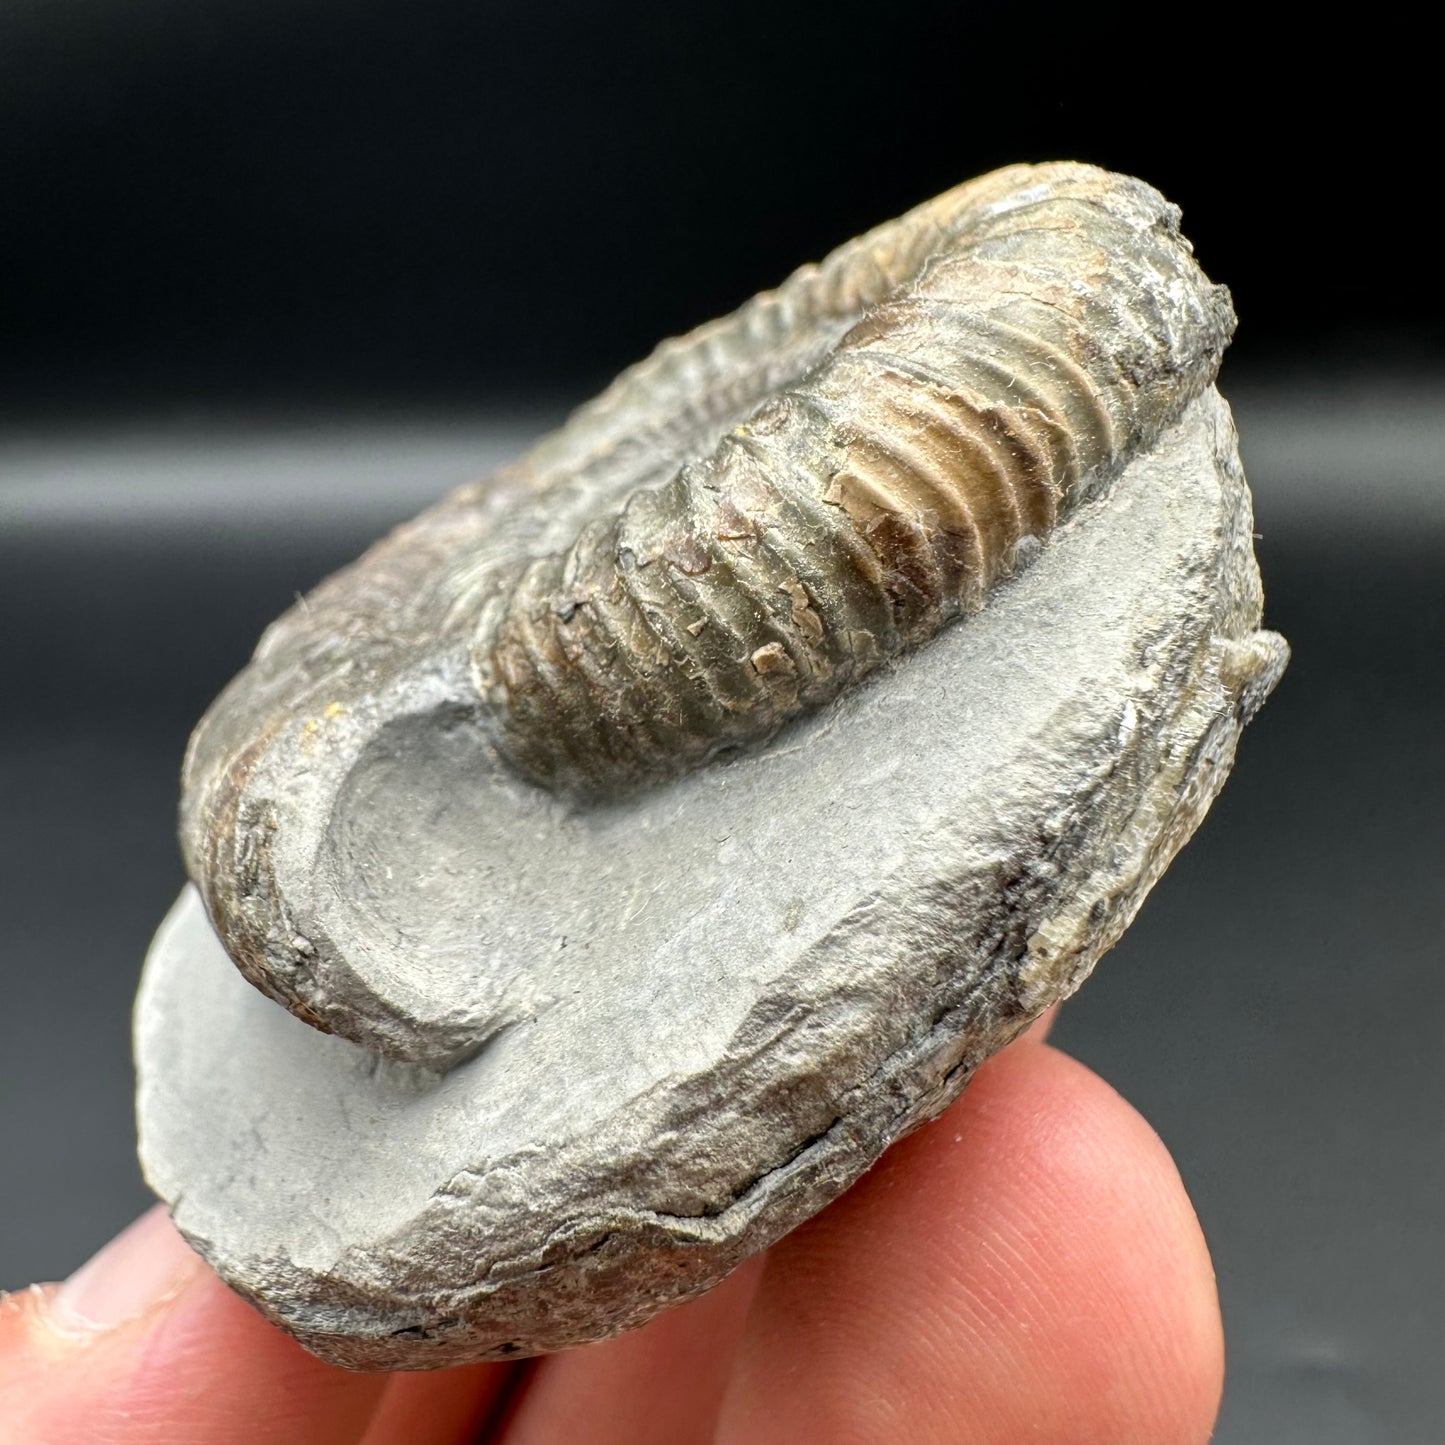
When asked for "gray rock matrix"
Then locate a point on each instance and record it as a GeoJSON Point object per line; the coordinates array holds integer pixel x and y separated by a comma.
{"type": "Point", "coordinates": [738, 530]}
{"type": "Point", "coordinates": [600, 1055]}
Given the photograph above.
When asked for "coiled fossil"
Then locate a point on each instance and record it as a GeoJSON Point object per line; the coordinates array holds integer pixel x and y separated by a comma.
{"type": "Point", "coordinates": [587, 1059]}
{"type": "Point", "coordinates": [843, 466]}
{"type": "Point", "coordinates": [733, 533]}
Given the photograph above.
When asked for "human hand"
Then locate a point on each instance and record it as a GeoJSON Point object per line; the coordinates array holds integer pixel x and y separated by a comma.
{"type": "Point", "coordinates": [1028, 1267]}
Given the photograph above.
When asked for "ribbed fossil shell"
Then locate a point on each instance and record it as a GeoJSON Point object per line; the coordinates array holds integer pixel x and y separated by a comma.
{"type": "Point", "coordinates": [607, 1012]}
{"type": "Point", "coordinates": [739, 528]}
{"type": "Point", "coordinates": [856, 458]}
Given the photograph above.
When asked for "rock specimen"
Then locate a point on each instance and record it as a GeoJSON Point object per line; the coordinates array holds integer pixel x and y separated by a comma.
{"type": "Point", "coordinates": [645, 848]}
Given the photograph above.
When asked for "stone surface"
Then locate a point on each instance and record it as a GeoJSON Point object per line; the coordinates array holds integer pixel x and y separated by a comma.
{"type": "Point", "coordinates": [733, 534]}
{"type": "Point", "coordinates": [721, 999]}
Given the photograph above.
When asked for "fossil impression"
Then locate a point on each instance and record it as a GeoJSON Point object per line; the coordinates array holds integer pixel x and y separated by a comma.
{"type": "Point", "coordinates": [653, 833]}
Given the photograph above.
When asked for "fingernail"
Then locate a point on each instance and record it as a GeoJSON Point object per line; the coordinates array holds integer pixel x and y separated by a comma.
{"type": "Point", "coordinates": [143, 1265]}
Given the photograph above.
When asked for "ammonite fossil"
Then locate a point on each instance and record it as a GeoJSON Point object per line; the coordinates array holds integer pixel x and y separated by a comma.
{"type": "Point", "coordinates": [644, 842]}
{"type": "Point", "coordinates": [835, 472]}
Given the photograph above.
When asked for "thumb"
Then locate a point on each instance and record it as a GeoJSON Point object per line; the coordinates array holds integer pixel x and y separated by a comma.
{"type": "Point", "coordinates": [144, 1345]}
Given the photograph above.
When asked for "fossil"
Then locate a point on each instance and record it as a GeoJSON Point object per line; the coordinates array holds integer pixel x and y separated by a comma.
{"type": "Point", "coordinates": [1001, 348]}
{"type": "Point", "coordinates": [644, 843]}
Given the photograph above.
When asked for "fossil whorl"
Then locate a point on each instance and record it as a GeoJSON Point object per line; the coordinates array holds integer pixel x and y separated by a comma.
{"type": "Point", "coordinates": [588, 1059]}
{"type": "Point", "coordinates": [854, 458]}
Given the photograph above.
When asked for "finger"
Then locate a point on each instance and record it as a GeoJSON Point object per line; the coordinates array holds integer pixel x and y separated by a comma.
{"type": "Point", "coordinates": [659, 1385]}
{"type": "Point", "coordinates": [441, 1407]}
{"type": "Point", "coordinates": [1027, 1267]}
{"type": "Point", "coordinates": [1041, 1027]}
{"type": "Point", "coordinates": [144, 1344]}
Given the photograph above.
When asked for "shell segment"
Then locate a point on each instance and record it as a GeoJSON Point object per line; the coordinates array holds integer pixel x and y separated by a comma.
{"type": "Point", "coordinates": [847, 464]}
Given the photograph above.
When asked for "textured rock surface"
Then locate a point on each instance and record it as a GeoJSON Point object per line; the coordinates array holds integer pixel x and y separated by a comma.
{"type": "Point", "coordinates": [740, 528]}
{"type": "Point", "coordinates": [721, 999]}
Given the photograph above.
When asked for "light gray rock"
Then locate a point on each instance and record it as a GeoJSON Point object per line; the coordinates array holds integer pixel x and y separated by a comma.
{"type": "Point", "coordinates": [734, 533]}
{"type": "Point", "coordinates": [714, 1003]}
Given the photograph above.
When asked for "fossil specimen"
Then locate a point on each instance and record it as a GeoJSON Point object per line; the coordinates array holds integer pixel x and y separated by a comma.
{"type": "Point", "coordinates": [650, 846]}
{"type": "Point", "coordinates": [1006, 345]}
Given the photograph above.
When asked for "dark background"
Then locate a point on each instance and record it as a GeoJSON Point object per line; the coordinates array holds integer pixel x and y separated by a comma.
{"type": "Point", "coordinates": [274, 273]}
{"type": "Point", "coordinates": [285, 203]}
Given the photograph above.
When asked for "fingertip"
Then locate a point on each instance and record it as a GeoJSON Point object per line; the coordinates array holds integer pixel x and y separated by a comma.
{"type": "Point", "coordinates": [1026, 1266]}
{"type": "Point", "coordinates": [144, 1265]}
{"type": "Point", "coordinates": [443, 1407]}
{"type": "Point", "coordinates": [1039, 1030]}
{"type": "Point", "coordinates": [1121, 1263]}
{"type": "Point", "coordinates": [145, 1343]}
{"type": "Point", "coordinates": [659, 1385]}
